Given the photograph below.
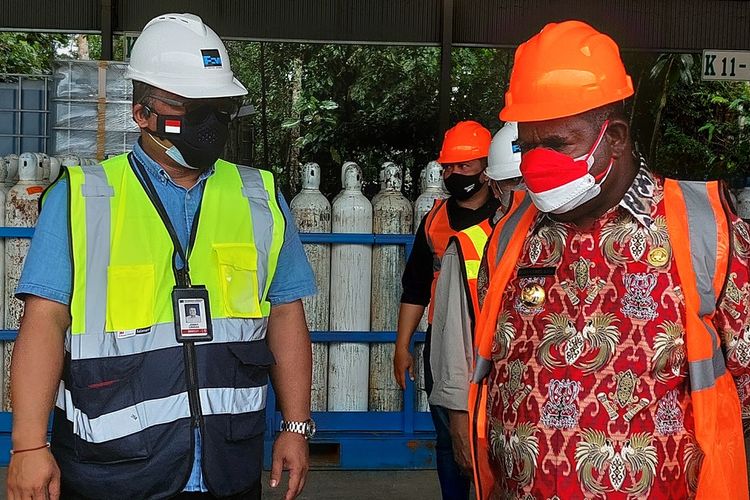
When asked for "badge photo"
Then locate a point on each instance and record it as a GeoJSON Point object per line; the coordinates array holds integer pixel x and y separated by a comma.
{"type": "Point", "coordinates": [192, 314]}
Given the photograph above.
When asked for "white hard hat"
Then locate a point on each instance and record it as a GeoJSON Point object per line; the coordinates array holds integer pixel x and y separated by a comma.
{"type": "Point", "coordinates": [180, 54]}
{"type": "Point", "coordinates": [504, 158]}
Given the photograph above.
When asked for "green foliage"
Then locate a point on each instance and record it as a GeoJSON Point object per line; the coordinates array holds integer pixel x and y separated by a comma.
{"type": "Point", "coordinates": [705, 134]}
{"type": "Point", "coordinates": [28, 53]}
{"type": "Point", "coordinates": [371, 104]}
{"type": "Point", "coordinates": [95, 47]}
{"type": "Point", "coordinates": [367, 104]}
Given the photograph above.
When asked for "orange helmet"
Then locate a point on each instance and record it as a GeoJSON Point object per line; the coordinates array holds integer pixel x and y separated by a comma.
{"type": "Point", "coordinates": [464, 142]}
{"type": "Point", "coordinates": [565, 69]}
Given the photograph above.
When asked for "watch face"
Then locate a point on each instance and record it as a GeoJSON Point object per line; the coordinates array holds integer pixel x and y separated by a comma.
{"type": "Point", "coordinates": [311, 428]}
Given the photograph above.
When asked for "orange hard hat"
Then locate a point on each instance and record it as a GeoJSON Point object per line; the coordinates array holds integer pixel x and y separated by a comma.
{"type": "Point", "coordinates": [565, 69]}
{"type": "Point", "coordinates": [464, 142]}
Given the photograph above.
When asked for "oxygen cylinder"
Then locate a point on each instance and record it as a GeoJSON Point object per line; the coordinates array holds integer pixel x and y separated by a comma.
{"type": "Point", "coordinates": [71, 161]}
{"type": "Point", "coordinates": [54, 168]}
{"type": "Point", "coordinates": [21, 210]}
{"type": "Point", "coordinates": [348, 367]}
{"type": "Point", "coordinates": [43, 169]}
{"type": "Point", "coordinates": [3, 176]}
{"type": "Point", "coordinates": [12, 174]}
{"type": "Point", "coordinates": [431, 182]}
{"type": "Point", "coordinates": [392, 214]}
{"type": "Point", "coordinates": [312, 211]}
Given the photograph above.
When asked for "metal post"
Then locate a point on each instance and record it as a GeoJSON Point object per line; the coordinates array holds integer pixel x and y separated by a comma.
{"type": "Point", "coordinates": [446, 48]}
{"type": "Point", "coordinates": [106, 20]}
{"type": "Point", "coordinates": [19, 115]}
{"type": "Point", "coordinates": [263, 110]}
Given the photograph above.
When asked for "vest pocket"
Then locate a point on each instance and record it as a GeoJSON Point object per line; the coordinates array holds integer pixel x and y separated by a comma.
{"type": "Point", "coordinates": [109, 426]}
{"type": "Point", "coordinates": [238, 276]}
{"type": "Point", "coordinates": [253, 361]}
{"type": "Point", "coordinates": [130, 297]}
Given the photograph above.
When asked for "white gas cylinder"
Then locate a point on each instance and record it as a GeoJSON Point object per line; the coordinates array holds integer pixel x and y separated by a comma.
{"type": "Point", "coordinates": [350, 296]}
{"type": "Point", "coordinates": [21, 210]}
{"type": "Point", "coordinates": [312, 212]}
{"type": "Point", "coordinates": [392, 214]}
{"type": "Point", "coordinates": [431, 182]}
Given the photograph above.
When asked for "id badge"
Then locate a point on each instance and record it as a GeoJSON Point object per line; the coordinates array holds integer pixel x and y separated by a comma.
{"type": "Point", "coordinates": [192, 315]}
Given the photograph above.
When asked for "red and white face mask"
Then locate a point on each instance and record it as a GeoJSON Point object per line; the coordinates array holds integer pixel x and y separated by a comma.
{"type": "Point", "coordinates": [558, 183]}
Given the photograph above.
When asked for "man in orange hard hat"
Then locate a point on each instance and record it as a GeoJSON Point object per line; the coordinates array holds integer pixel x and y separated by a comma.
{"type": "Point", "coordinates": [614, 333]}
{"type": "Point", "coordinates": [471, 205]}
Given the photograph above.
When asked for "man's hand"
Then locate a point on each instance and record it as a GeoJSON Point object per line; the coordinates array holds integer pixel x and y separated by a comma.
{"type": "Point", "coordinates": [33, 475]}
{"type": "Point", "coordinates": [459, 429]}
{"type": "Point", "coordinates": [290, 452]}
{"type": "Point", "coordinates": [402, 361]}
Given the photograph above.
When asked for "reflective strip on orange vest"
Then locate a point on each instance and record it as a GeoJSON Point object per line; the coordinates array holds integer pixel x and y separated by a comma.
{"type": "Point", "coordinates": [500, 248]}
{"type": "Point", "coordinates": [695, 214]}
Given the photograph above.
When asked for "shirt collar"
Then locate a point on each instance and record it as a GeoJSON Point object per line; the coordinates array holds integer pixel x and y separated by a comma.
{"type": "Point", "coordinates": [638, 201]}
{"type": "Point", "coordinates": [156, 171]}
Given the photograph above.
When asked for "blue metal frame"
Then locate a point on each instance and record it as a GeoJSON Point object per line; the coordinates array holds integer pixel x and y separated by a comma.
{"type": "Point", "coordinates": [362, 440]}
{"type": "Point", "coordinates": [368, 440]}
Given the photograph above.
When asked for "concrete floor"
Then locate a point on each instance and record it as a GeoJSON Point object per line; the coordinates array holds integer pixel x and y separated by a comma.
{"type": "Point", "coordinates": [350, 485]}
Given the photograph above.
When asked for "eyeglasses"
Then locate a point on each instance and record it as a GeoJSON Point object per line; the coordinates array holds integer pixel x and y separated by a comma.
{"type": "Point", "coordinates": [196, 110]}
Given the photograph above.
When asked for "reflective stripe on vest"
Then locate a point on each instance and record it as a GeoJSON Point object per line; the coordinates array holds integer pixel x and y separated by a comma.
{"type": "Point", "coordinates": [501, 245]}
{"type": "Point", "coordinates": [132, 419]}
{"type": "Point", "coordinates": [516, 220]}
{"type": "Point", "coordinates": [471, 244]}
{"type": "Point", "coordinates": [122, 273]}
{"type": "Point", "coordinates": [695, 214]}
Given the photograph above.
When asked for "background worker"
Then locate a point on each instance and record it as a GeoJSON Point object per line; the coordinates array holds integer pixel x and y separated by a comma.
{"type": "Point", "coordinates": [464, 159]}
{"type": "Point", "coordinates": [456, 302]}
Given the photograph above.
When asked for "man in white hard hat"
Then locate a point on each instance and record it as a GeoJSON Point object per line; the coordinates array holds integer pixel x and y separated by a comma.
{"type": "Point", "coordinates": [149, 405]}
{"type": "Point", "coordinates": [457, 304]}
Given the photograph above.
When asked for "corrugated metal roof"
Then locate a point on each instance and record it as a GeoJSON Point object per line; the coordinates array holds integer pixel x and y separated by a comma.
{"type": "Point", "coordinates": [74, 16]}
{"type": "Point", "coordinates": [666, 25]}
{"type": "Point", "coordinates": [410, 21]}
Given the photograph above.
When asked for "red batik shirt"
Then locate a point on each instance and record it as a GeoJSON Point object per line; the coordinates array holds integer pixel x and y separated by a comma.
{"type": "Point", "coordinates": [589, 395]}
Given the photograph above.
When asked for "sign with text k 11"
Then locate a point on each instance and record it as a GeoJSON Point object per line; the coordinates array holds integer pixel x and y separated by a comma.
{"type": "Point", "coordinates": [726, 65]}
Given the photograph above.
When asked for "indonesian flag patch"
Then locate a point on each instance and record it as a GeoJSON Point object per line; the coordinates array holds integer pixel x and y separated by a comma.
{"type": "Point", "coordinates": [172, 126]}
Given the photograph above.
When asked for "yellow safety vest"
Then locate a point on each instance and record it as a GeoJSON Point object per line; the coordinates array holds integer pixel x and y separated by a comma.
{"type": "Point", "coordinates": [130, 391]}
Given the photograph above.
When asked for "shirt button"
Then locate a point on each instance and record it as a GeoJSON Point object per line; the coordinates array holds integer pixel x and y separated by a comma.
{"type": "Point", "coordinates": [187, 196]}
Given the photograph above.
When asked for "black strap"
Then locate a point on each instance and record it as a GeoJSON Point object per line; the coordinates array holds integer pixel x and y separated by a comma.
{"type": "Point", "coordinates": [182, 276]}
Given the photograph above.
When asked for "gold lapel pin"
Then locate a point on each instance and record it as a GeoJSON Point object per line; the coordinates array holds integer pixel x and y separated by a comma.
{"type": "Point", "coordinates": [658, 256]}
{"type": "Point", "coordinates": [533, 295]}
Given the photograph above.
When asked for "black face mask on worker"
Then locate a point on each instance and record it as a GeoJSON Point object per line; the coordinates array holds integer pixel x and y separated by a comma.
{"type": "Point", "coordinates": [199, 135]}
{"type": "Point", "coordinates": [463, 187]}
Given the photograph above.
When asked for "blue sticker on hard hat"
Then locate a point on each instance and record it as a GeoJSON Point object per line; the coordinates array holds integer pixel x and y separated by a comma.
{"type": "Point", "coordinates": [516, 147]}
{"type": "Point", "coordinates": [211, 58]}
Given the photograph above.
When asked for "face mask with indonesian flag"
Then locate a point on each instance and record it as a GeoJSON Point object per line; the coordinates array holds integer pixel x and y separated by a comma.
{"type": "Point", "coordinates": [198, 138]}
{"type": "Point", "coordinates": [558, 183]}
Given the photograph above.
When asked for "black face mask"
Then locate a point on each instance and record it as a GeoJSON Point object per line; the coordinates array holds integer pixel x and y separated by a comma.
{"type": "Point", "coordinates": [463, 187]}
{"type": "Point", "coordinates": [201, 137]}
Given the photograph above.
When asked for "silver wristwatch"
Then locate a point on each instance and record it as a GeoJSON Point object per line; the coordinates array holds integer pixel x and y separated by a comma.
{"type": "Point", "coordinates": [306, 428]}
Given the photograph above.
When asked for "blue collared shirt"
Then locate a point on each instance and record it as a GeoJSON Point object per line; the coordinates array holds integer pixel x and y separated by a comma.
{"type": "Point", "coordinates": [48, 273]}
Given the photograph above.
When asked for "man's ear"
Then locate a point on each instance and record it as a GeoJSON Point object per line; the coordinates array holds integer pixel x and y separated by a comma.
{"type": "Point", "coordinates": [141, 115]}
{"type": "Point", "coordinates": [618, 137]}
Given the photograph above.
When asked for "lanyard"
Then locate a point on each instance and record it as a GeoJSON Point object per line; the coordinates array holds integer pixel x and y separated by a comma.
{"type": "Point", "coordinates": [182, 276]}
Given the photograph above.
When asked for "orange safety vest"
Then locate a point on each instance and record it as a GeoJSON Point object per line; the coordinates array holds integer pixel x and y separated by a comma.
{"type": "Point", "coordinates": [439, 232]}
{"type": "Point", "coordinates": [695, 214]}
{"type": "Point", "coordinates": [471, 245]}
